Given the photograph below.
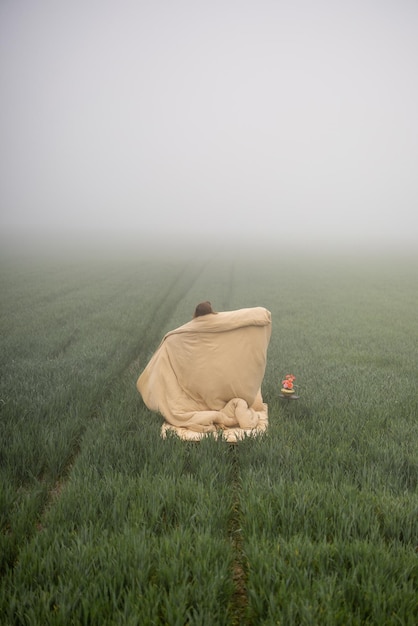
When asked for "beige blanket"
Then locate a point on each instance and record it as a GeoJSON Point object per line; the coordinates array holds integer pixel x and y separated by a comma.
{"type": "Point", "coordinates": [206, 375]}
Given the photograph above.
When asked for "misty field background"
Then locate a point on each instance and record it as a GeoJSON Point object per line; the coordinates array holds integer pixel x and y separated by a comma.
{"type": "Point", "coordinates": [103, 522]}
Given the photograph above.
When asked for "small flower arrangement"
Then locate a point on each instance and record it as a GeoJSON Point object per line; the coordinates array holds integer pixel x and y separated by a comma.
{"type": "Point", "coordinates": [287, 384]}
{"type": "Point", "coordinates": [288, 381]}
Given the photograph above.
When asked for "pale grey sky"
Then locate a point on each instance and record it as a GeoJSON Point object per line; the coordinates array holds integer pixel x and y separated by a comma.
{"type": "Point", "coordinates": [227, 119]}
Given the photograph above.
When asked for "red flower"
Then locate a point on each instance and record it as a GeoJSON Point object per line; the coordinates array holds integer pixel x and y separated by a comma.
{"type": "Point", "coordinates": [288, 381]}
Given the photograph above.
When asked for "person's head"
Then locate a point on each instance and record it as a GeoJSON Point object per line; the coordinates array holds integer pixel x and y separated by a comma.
{"type": "Point", "coordinates": [203, 308]}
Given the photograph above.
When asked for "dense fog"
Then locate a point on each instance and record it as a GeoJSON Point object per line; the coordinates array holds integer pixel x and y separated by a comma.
{"type": "Point", "coordinates": [213, 124]}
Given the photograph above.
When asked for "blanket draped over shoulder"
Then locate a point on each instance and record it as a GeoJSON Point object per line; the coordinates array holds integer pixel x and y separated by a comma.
{"type": "Point", "coordinates": [206, 375]}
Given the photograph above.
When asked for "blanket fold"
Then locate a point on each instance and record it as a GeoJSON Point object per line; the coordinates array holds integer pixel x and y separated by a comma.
{"type": "Point", "coordinates": [206, 375]}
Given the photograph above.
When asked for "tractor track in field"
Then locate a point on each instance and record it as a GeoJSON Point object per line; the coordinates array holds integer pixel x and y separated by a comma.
{"type": "Point", "coordinates": [239, 564]}
{"type": "Point", "coordinates": [239, 569]}
{"type": "Point", "coordinates": [147, 341]}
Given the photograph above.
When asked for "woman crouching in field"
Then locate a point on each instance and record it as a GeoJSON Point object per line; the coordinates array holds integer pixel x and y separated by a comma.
{"type": "Point", "coordinates": [206, 375]}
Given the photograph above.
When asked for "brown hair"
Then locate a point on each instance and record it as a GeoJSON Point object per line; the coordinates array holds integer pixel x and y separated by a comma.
{"type": "Point", "coordinates": [204, 308]}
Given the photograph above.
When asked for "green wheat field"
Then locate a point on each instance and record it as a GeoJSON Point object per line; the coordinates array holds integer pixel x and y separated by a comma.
{"type": "Point", "coordinates": [103, 522]}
